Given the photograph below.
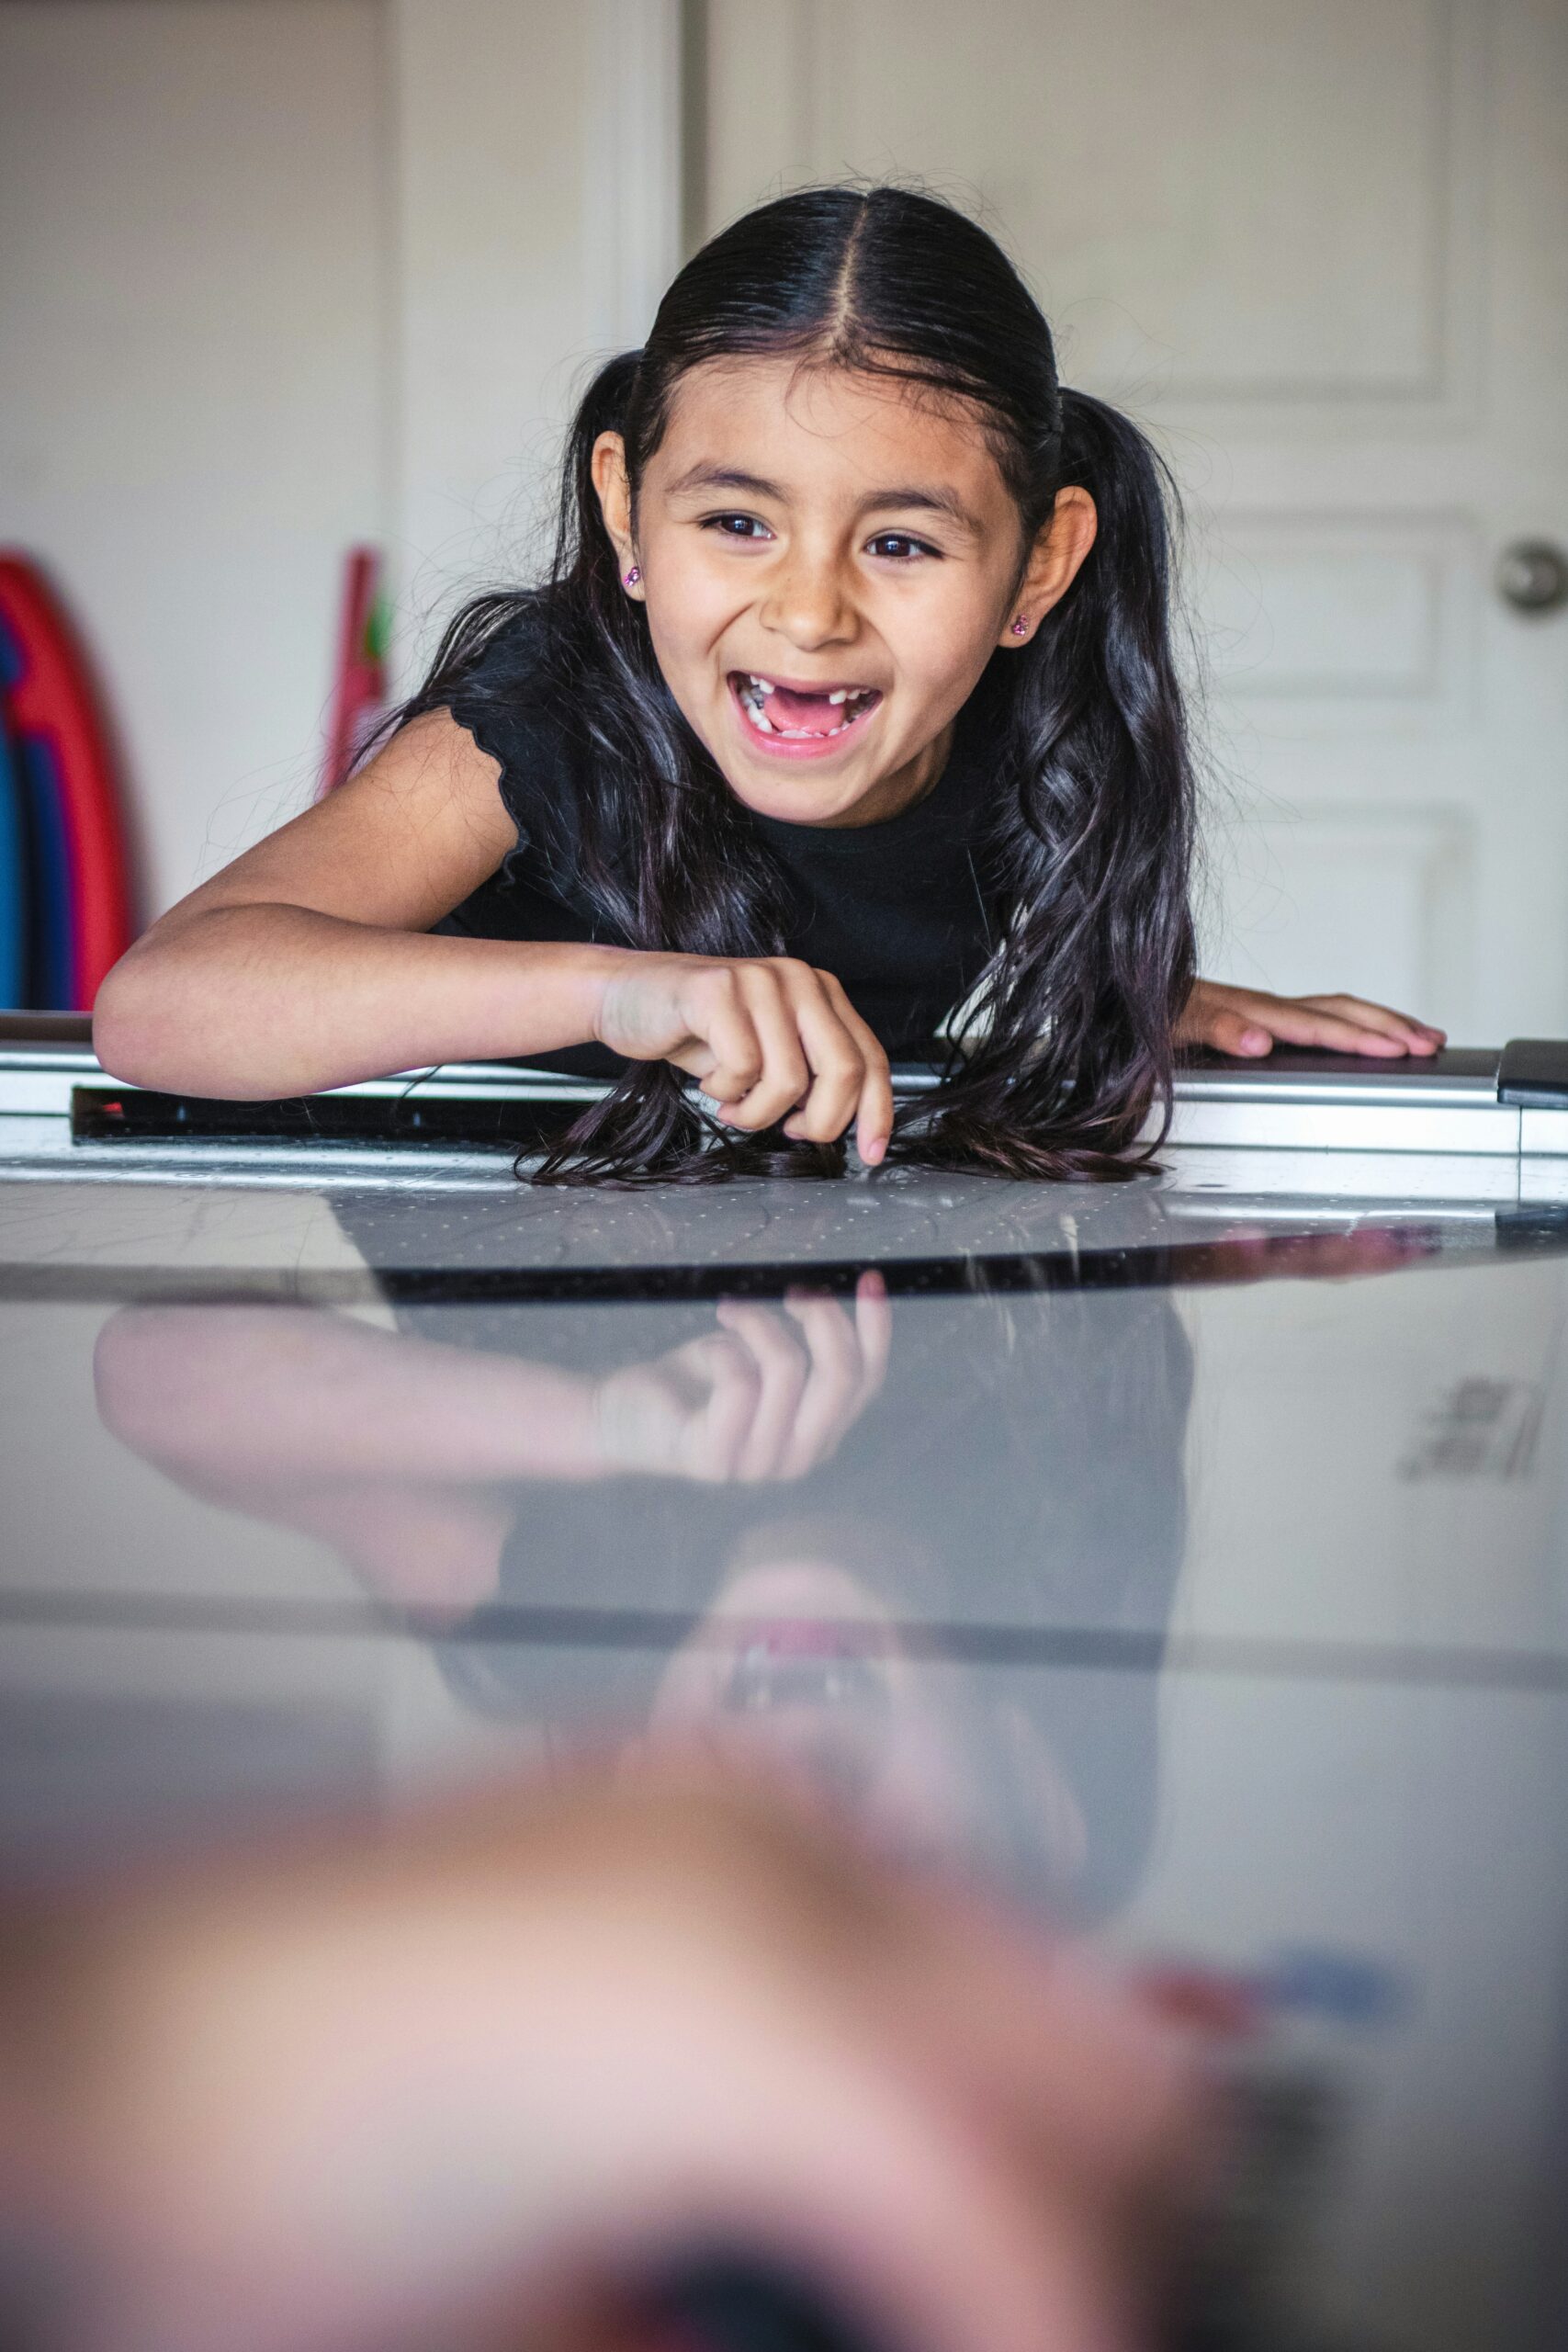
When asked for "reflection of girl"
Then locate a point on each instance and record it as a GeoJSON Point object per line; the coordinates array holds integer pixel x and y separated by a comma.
{"type": "Point", "coordinates": [956, 1620]}
{"type": "Point", "coordinates": [885, 1573]}
{"type": "Point", "coordinates": [852, 694]}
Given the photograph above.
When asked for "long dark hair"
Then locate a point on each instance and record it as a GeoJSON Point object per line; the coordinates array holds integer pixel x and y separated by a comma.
{"type": "Point", "coordinates": [1089, 846]}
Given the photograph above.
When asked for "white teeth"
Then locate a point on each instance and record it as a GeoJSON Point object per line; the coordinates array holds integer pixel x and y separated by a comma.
{"type": "Point", "coordinates": [751, 695]}
{"type": "Point", "coordinates": [839, 694]}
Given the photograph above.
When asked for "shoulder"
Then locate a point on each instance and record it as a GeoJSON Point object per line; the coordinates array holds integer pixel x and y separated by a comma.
{"type": "Point", "coordinates": [503, 660]}
{"type": "Point", "coordinates": [503, 673]}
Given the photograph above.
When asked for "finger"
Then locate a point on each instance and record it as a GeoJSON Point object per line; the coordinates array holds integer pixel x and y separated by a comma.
{"type": "Point", "coordinates": [874, 1328]}
{"type": "Point", "coordinates": [832, 1395]}
{"type": "Point", "coordinates": [1232, 1033]}
{"type": "Point", "coordinates": [717, 1432]}
{"type": "Point", "coordinates": [697, 1363]}
{"type": "Point", "coordinates": [719, 1014]}
{"type": "Point", "coordinates": [785, 1078]}
{"type": "Point", "coordinates": [874, 1340]}
{"type": "Point", "coordinates": [1300, 1021]}
{"type": "Point", "coordinates": [837, 1062]}
{"type": "Point", "coordinates": [874, 1114]}
{"type": "Point", "coordinates": [1418, 1035]}
{"type": "Point", "coordinates": [783, 1367]}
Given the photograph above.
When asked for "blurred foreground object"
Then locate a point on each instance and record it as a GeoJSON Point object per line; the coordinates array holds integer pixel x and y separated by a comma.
{"type": "Point", "coordinates": [65, 913]}
{"type": "Point", "coordinates": [489, 2073]}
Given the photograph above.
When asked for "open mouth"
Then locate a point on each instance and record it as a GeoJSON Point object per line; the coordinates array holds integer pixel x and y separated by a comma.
{"type": "Point", "coordinates": [805, 718]}
{"type": "Point", "coordinates": [826, 1666]}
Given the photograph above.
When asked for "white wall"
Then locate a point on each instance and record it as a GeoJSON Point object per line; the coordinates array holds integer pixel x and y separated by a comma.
{"type": "Point", "coordinates": [277, 275]}
{"type": "Point", "coordinates": [537, 163]}
{"type": "Point", "coordinates": [189, 350]}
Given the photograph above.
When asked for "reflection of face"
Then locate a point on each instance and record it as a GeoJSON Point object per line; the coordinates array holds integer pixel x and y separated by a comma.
{"type": "Point", "coordinates": [800, 1662]}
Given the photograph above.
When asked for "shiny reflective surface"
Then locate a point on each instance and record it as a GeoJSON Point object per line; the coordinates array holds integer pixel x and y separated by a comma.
{"type": "Point", "coordinates": [1187, 1555]}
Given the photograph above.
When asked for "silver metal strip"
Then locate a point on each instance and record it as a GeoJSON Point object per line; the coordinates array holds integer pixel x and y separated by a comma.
{"type": "Point", "coordinates": [33, 1085]}
{"type": "Point", "coordinates": [1358, 1113]}
{"type": "Point", "coordinates": [1543, 1135]}
{"type": "Point", "coordinates": [1428, 1088]}
{"type": "Point", "coordinates": [1330, 1124]}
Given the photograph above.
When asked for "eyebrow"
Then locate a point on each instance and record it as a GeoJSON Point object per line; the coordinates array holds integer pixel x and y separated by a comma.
{"type": "Point", "coordinates": [932, 502]}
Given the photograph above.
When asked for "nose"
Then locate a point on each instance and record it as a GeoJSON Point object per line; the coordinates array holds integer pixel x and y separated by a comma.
{"type": "Point", "coordinates": [809, 601]}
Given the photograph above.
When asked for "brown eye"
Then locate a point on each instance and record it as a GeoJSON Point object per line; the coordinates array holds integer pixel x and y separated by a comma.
{"type": "Point", "coordinates": [900, 546]}
{"type": "Point", "coordinates": [723, 525]}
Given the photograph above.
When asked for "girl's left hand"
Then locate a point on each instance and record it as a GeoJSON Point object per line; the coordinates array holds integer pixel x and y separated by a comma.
{"type": "Point", "coordinates": [1249, 1021]}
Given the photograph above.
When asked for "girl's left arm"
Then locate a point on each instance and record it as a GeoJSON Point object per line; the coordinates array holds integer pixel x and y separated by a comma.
{"type": "Point", "coordinates": [1250, 1022]}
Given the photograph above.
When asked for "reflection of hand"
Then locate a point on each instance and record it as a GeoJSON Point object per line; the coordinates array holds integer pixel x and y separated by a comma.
{"type": "Point", "coordinates": [1250, 1022]}
{"type": "Point", "coordinates": [755, 1399]}
{"type": "Point", "coordinates": [1257, 1253]}
{"type": "Point", "coordinates": [463, 2079]}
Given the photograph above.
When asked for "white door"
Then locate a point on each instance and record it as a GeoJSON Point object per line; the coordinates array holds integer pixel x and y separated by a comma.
{"type": "Point", "coordinates": [1318, 248]}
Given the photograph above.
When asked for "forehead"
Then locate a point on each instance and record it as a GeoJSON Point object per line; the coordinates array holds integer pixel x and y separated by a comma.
{"type": "Point", "coordinates": [813, 428]}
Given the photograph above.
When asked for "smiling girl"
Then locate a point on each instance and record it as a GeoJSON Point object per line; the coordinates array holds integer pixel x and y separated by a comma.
{"type": "Point", "coordinates": [849, 704]}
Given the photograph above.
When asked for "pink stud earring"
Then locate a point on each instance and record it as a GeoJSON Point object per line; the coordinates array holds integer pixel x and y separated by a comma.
{"type": "Point", "coordinates": [1021, 628]}
{"type": "Point", "coordinates": [632, 577]}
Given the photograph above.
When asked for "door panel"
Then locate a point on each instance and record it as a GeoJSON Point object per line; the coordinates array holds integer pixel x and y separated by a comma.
{"type": "Point", "coordinates": [1311, 245]}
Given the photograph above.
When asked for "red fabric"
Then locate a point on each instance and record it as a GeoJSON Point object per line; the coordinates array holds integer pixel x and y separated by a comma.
{"type": "Point", "coordinates": [360, 684]}
{"type": "Point", "coordinates": [55, 698]}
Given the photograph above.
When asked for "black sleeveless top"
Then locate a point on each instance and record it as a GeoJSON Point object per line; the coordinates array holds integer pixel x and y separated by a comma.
{"type": "Point", "coordinates": [899, 911]}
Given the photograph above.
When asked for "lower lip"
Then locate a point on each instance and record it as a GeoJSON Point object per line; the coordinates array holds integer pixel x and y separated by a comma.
{"type": "Point", "coordinates": [801, 746]}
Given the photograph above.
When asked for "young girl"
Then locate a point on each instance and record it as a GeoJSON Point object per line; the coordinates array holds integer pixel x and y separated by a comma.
{"type": "Point", "coordinates": [849, 703]}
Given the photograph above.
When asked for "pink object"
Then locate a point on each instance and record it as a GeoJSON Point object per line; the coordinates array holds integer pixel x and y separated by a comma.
{"type": "Point", "coordinates": [1020, 628]}
{"type": "Point", "coordinates": [632, 577]}
{"type": "Point", "coordinates": [359, 684]}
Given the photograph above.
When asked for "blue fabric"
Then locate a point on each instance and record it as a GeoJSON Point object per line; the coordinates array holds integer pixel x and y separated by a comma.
{"type": "Point", "coordinates": [43, 861]}
{"type": "Point", "coordinates": [13, 879]}
{"type": "Point", "coordinates": [50, 897]}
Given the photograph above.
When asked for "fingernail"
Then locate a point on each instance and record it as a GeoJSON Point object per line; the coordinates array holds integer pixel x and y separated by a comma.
{"type": "Point", "coordinates": [1254, 1040]}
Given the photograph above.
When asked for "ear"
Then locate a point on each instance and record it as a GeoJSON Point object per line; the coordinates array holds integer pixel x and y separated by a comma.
{"type": "Point", "coordinates": [609, 464]}
{"type": "Point", "coordinates": [1060, 545]}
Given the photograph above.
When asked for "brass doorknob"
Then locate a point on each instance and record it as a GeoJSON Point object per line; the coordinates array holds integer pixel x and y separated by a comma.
{"type": "Point", "coordinates": [1532, 576]}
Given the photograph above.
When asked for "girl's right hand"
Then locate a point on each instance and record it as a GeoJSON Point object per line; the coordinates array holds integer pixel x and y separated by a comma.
{"type": "Point", "coordinates": [766, 1036]}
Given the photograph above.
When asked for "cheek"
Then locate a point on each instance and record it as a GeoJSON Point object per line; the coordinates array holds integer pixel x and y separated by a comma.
{"type": "Point", "coordinates": [943, 666]}
{"type": "Point", "coordinates": [948, 631]}
{"type": "Point", "coordinates": [688, 610]}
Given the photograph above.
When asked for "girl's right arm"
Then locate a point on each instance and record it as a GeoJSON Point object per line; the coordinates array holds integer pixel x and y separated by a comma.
{"type": "Point", "coordinates": [309, 963]}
